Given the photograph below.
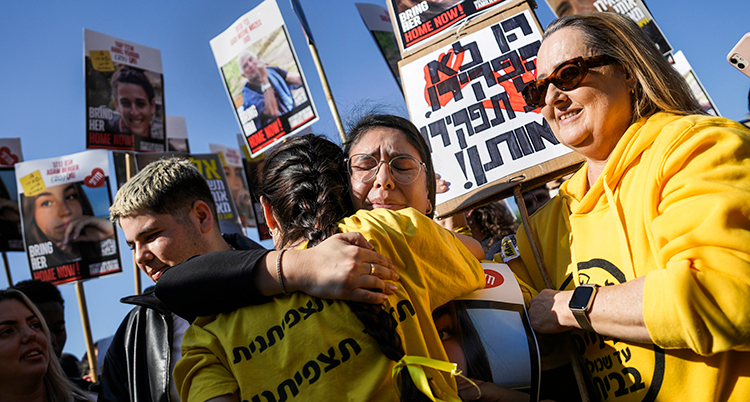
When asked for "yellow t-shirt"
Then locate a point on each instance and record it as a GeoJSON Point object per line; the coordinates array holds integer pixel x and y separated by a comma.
{"type": "Point", "coordinates": [316, 349]}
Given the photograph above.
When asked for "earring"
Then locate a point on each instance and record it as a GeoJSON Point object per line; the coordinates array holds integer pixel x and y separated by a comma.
{"type": "Point", "coordinates": [429, 210]}
{"type": "Point", "coordinates": [272, 232]}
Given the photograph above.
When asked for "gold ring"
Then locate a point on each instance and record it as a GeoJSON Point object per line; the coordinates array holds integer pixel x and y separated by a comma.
{"type": "Point", "coordinates": [372, 269]}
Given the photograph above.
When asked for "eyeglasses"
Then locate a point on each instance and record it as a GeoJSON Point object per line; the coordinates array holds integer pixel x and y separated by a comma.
{"type": "Point", "coordinates": [566, 76]}
{"type": "Point", "coordinates": [403, 168]}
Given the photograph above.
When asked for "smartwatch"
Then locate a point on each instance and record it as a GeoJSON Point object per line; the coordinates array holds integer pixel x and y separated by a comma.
{"type": "Point", "coordinates": [580, 304]}
{"type": "Point", "coordinates": [264, 87]}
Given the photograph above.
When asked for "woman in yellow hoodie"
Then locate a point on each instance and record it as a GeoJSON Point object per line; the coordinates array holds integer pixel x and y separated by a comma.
{"type": "Point", "coordinates": [648, 244]}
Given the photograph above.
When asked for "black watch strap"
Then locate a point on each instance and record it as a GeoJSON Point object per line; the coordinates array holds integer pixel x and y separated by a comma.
{"type": "Point", "coordinates": [580, 305]}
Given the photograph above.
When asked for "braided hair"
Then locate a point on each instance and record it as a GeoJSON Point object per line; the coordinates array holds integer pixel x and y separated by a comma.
{"type": "Point", "coordinates": [306, 184]}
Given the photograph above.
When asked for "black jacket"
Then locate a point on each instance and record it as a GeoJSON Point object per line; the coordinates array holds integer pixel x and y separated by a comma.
{"type": "Point", "coordinates": [137, 365]}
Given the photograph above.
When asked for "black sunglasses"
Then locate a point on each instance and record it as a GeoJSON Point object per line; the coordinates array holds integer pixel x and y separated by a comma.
{"type": "Point", "coordinates": [566, 76]}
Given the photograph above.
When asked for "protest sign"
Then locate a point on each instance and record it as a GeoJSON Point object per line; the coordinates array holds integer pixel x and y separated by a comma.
{"type": "Point", "coordinates": [11, 238]}
{"type": "Point", "coordinates": [492, 333]}
{"type": "Point", "coordinates": [464, 96]}
{"type": "Point", "coordinates": [634, 9]}
{"type": "Point", "coordinates": [177, 136]}
{"type": "Point", "coordinates": [419, 23]}
{"type": "Point", "coordinates": [378, 22]}
{"type": "Point", "coordinates": [124, 94]}
{"type": "Point", "coordinates": [263, 78]}
{"type": "Point", "coordinates": [65, 214]}
{"type": "Point", "coordinates": [210, 167]}
{"type": "Point", "coordinates": [231, 159]}
{"type": "Point", "coordinates": [681, 64]}
{"type": "Point", "coordinates": [252, 166]}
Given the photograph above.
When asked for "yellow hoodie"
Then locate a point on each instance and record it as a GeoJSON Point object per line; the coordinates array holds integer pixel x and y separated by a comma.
{"type": "Point", "coordinates": [672, 204]}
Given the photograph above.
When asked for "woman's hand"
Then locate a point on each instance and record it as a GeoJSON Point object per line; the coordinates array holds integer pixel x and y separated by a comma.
{"type": "Point", "coordinates": [87, 228]}
{"type": "Point", "coordinates": [441, 186]}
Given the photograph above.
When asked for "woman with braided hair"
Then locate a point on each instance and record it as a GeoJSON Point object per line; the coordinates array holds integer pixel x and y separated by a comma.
{"type": "Point", "coordinates": [313, 349]}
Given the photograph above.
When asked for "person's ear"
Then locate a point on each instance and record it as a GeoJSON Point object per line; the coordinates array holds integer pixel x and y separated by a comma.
{"type": "Point", "coordinates": [630, 81]}
{"type": "Point", "coordinates": [202, 213]}
{"type": "Point", "coordinates": [268, 213]}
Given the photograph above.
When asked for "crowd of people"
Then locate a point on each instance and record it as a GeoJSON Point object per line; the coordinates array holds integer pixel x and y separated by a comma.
{"type": "Point", "coordinates": [647, 246]}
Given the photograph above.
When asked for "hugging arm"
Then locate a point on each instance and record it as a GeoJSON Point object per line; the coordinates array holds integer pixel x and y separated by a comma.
{"type": "Point", "coordinates": [338, 268]}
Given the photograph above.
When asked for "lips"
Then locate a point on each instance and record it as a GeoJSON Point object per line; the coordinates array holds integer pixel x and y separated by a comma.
{"type": "Point", "coordinates": [135, 121]}
{"type": "Point", "coordinates": [568, 115]}
{"type": "Point", "coordinates": [386, 204]}
{"type": "Point", "coordinates": [32, 354]}
{"type": "Point", "coordinates": [155, 274]}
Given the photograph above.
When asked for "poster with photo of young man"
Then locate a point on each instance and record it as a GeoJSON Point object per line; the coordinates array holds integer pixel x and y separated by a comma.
{"type": "Point", "coordinates": [124, 95]}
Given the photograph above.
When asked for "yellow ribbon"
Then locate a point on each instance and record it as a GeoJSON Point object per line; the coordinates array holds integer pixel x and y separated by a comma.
{"type": "Point", "coordinates": [414, 364]}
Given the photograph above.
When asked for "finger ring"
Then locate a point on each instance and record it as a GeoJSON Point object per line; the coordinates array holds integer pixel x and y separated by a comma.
{"type": "Point", "coordinates": [372, 269]}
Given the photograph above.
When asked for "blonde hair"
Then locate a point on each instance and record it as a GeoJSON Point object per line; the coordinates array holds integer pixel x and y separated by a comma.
{"type": "Point", "coordinates": [166, 186]}
{"type": "Point", "coordinates": [659, 87]}
{"type": "Point", "coordinates": [57, 385]}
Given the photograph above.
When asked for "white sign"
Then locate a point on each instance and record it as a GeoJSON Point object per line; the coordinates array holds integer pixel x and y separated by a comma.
{"type": "Point", "coordinates": [465, 99]}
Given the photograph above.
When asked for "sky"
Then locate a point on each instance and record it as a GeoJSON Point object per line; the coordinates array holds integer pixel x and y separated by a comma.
{"type": "Point", "coordinates": [42, 102]}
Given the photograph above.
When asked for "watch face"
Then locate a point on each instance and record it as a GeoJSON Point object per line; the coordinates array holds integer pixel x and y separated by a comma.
{"type": "Point", "coordinates": [581, 297]}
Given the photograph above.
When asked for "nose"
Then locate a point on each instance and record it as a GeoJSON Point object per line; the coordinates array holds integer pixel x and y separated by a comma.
{"type": "Point", "coordinates": [383, 177]}
{"type": "Point", "coordinates": [142, 255]}
{"type": "Point", "coordinates": [554, 95]}
{"type": "Point", "coordinates": [63, 209]}
{"type": "Point", "coordinates": [28, 334]}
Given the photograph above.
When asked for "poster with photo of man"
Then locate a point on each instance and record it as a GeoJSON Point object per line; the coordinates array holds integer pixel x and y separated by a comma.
{"type": "Point", "coordinates": [11, 238]}
{"type": "Point", "coordinates": [263, 78]}
{"type": "Point", "coordinates": [124, 95]}
{"type": "Point", "coordinates": [65, 217]}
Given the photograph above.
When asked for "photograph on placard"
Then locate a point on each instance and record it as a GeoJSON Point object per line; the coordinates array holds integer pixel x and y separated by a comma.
{"type": "Point", "coordinates": [231, 160]}
{"type": "Point", "coordinates": [488, 335]}
{"type": "Point", "coordinates": [263, 78]}
{"type": "Point", "coordinates": [177, 136]}
{"type": "Point", "coordinates": [11, 238]}
{"type": "Point", "coordinates": [124, 95]}
{"type": "Point", "coordinates": [251, 166]}
{"type": "Point", "coordinates": [65, 216]}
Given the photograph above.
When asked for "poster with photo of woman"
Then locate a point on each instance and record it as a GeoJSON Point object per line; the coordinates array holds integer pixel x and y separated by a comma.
{"type": "Point", "coordinates": [65, 217]}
